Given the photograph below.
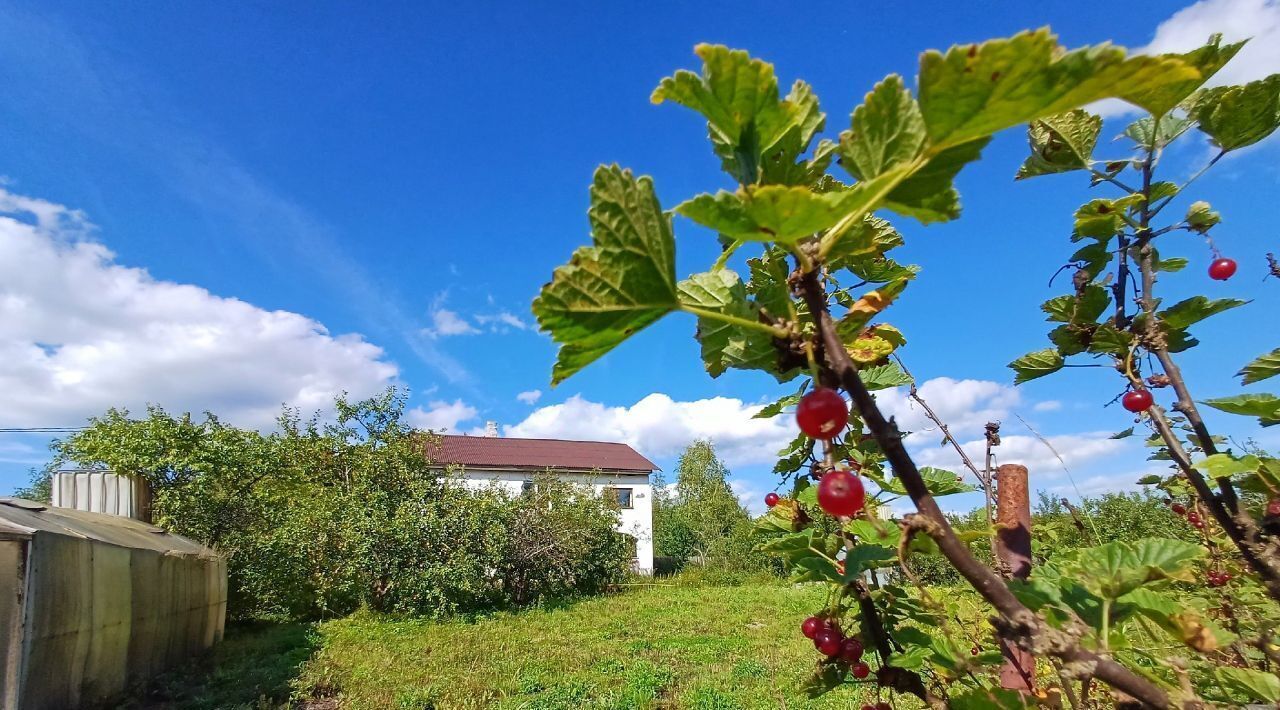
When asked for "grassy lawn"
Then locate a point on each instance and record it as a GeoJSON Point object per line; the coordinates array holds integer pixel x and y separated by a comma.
{"type": "Point", "coordinates": [685, 647]}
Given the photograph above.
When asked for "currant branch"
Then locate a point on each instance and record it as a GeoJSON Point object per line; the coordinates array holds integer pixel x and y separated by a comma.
{"type": "Point", "coordinates": [1016, 622]}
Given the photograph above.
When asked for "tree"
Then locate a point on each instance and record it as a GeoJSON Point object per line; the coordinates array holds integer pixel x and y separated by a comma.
{"type": "Point", "coordinates": [703, 518]}
{"type": "Point", "coordinates": [801, 313]}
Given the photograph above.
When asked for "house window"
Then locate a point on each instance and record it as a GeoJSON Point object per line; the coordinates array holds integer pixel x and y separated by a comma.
{"type": "Point", "coordinates": [621, 496]}
{"type": "Point", "coordinates": [526, 488]}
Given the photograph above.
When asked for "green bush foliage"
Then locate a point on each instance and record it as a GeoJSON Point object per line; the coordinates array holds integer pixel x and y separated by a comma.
{"type": "Point", "coordinates": [320, 518]}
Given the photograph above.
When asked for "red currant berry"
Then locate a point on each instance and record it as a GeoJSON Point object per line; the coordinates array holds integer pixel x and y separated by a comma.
{"type": "Point", "coordinates": [1273, 508]}
{"type": "Point", "coordinates": [828, 642]}
{"type": "Point", "coordinates": [883, 706]}
{"type": "Point", "coordinates": [851, 650]}
{"type": "Point", "coordinates": [868, 707]}
{"type": "Point", "coordinates": [1193, 517]}
{"type": "Point", "coordinates": [840, 567]}
{"type": "Point", "coordinates": [812, 626]}
{"type": "Point", "coordinates": [1222, 269]}
{"type": "Point", "coordinates": [771, 499]}
{"type": "Point", "coordinates": [1178, 508]}
{"type": "Point", "coordinates": [822, 413]}
{"type": "Point", "coordinates": [975, 650]}
{"type": "Point", "coordinates": [860, 670]}
{"type": "Point", "coordinates": [1137, 401]}
{"type": "Point", "coordinates": [841, 493]}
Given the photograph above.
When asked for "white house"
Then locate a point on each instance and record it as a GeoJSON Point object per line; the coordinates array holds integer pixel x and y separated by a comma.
{"type": "Point", "coordinates": [615, 469]}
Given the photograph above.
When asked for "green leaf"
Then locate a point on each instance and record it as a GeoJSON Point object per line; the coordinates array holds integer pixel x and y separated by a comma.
{"type": "Point", "coordinates": [1195, 309]}
{"type": "Point", "coordinates": [1226, 465]}
{"type": "Point", "coordinates": [726, 345]}
{"type": "Point", "coordinates": [1117, 568]}
{"type": "Point", "coordinates": [865, 557]}
{"type": "Point", "coordinates": [1207, 60]}
{"type": "Point", "coordinates": [874, 269]}
{"type": "Point", "coordinates": [768, 284]}
{"type": "Point", "coordinates": [884, 376]}
{"type": "Point", "coordinates": [1110, 340]}
{"type": "Point", "coordinates": [1172, 264]}
{"type": "Point", "coordinates": [1122, 434]}
{"type": "Point", "coordinates": [929, 195]}
{"type": "Point", "coordinates": [752, 131]}
{"type": "Point", "coordinates": [770, 213]}
{"type": "Point", "coordinates": [974, 91]}
{"type": "Point", "coordinates": [1238, 116]}
{"type": "Point", "coordinates": [1264, 406]}
{"type": "Point", "coordinates": [990, 699]}
{"type": "Point", "coordinates": [1260, 369]}
{"type": "Point", "coordinates": [886, 131]}
{"type": "Point", "coordinates": [869, 238]}
{"type": "Point", "coordinates": [773, 409]}
{"type": "Point", "coordinates": [1201, 218]}
{"type": "Point", "coordinates": [939, 482]}
{"type": "Point", "coordinates": [1149, 480]}
{"type": "Point", "coordinates": [1093, 257]}
{"type": "Point", "coordinates": [626, 281]}
{"type": "Point", "coordinates": [1103, 218]}
{"type": "Point", "coordinates": [1256, 685]}
{"type": "Point", "coordinates": [1147, 132]}
{"type": "Point", "coordinates": [1036, 364]}
{"type": "Point", "coordinates": [1061, 143]}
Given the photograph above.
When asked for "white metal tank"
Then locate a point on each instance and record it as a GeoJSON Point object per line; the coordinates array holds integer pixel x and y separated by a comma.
{"type": "Point", "coordinates": [95, 491]}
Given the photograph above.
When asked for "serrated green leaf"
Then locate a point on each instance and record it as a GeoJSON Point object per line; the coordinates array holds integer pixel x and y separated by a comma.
{"type": "Point", "coordinates": [1256, 685]}
{"type": "Point", "coordinates": [775, 408]}
{"type": "Point", "coordinates": [1260, 369]}
{"type": "Point", "coordinates": [1149, 480]}
{"type": "Point", "coordinates": [769, 213]}
{"type": "Point", "coordinates": [884, 534]}
{"type": "Point", "coordinates": [1238, 116]}
{"type": "Point", "coordinates": [939, 482]}
{"type": "Point", "coordinates": [1107, 339]}
{"type": "Point", "coordinates": [726, 345]}
{"type": "Point", "coordinates": [1061, 143]}
{"type": "Point", "coordinates": [752, 131]}
{"type": "Point", "coordinates": [1207, 60]}
{"type": "Point", "coordinates": [1185, 313]}
{"type": "Point", "coordinates": [1226, 465]}
{"type": "Point", "coordinates": [929, 195]}
{"type": "Point", "coordinates": [973, 91]}
{"type": "Point", "coordinates": [1092, 257]}
{"type": "Point", "coordinates": [1147, 132]}
{"type": "Point", "coordinates": [1183, 623]}
{"type": "Point", "coordinates": [1122, 434]}
{"type": "Point", "coordinates": [1036, 364]}
{"type": "Point", "coordinates": [869, 238]}
{"type": "Point", "coordinates": [1069, 339]}
{"type": "Point", "coordinates": [768, 284]}
{"type": "Point", "coordinates": [884, 376]}
{"type": "Point", "coordinates": [1117, 568]}
{"type": "Point", "coordinates": [886, 131]}
{"type": "Point", "coordinates": [625, 282]}
{"type": "Point", "coordinates": [991, 699]}
{"type": "Point", "coordinates": [1172, 264]}
{"type": "Point", "coordinates": [864, 557]}
{"type": "Point", "coordinates": [1266, 407]}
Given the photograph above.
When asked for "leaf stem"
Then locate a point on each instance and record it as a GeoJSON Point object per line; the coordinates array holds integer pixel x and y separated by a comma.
{"type": "Point", "coordinates": [773, 330]}
{"type": "Point", "coordinates": [1190, 180]}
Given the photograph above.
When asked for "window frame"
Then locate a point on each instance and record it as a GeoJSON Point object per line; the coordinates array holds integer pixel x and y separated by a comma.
{"type": "Point", "coordinates": [612, 491]}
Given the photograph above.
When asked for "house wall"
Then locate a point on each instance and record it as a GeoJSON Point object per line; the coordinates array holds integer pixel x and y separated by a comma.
{"type": "Point", "coordinates": [636, 522]}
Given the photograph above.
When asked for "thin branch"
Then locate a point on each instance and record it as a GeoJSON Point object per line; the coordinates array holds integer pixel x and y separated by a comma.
{"type": "Point", "coordinates": [1190, 180]}
{"type": "Point", "coordinates": [1016, 622]}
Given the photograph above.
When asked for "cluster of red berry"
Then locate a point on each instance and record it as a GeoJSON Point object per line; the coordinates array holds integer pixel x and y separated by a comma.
{"type": "Point", "coordinates": [878, 706]}
{"type": "Point", "coordinates": [831, 643]}
{"type": "Point", "coordinates": [1218, 579]}
{"type": "Point", "coordinates": [821, 415]}
{"type": "Point", "coordinates": [1193, 517]}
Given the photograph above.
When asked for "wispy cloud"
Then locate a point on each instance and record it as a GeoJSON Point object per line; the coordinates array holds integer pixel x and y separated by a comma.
{"type": "Point", "coordinates": [530, 397]}
{"type": "Point", "coordinates": [111, 103]}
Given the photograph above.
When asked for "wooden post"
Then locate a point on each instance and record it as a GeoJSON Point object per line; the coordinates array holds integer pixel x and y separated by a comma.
{"type": "Point", "coordinates": [1013, 550]}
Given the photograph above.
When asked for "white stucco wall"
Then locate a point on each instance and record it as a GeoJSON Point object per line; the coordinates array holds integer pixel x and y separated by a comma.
{"type": "Point", "coordinates": [636, 521]}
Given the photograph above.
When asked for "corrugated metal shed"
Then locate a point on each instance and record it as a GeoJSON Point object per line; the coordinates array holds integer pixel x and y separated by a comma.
{"type": "Point", "coordinates": [538, 454]}
{"type": "Point", "coordinates": [90, 603]}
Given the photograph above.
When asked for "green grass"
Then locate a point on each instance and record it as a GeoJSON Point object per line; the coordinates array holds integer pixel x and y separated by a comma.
{"type": "Point", "coordinates": [688, 647]}
{"type": "Point", "coordinates": [704, 648]}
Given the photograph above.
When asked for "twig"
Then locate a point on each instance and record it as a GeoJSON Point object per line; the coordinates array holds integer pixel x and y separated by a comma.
{"type": "Point", "coordinates": [946, 434]}
{"type": "Point", "coordinates": [1016, 622]}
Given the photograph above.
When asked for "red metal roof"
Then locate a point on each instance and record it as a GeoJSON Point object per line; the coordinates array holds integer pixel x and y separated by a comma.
{"type": "Point", "coordinates": [502, 452]}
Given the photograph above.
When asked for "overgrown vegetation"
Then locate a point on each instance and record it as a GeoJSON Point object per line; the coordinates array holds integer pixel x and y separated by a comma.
{"type": "Point", "coordinates": [1112, 615]}
{"type": "Point", "coordinates": [320, 518]}
{"type": "Point", "coordinates": [700, 523]}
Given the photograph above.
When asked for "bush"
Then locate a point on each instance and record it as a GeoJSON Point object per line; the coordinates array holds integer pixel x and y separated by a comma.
{"type": "Point", "coordinates": [319, 519]}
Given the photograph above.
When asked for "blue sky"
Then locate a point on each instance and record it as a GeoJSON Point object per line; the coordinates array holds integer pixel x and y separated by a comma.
{"type": "Point", "coordinates": [251, 204]}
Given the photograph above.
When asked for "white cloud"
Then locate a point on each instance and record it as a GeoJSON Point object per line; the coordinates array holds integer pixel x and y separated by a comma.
{"type": "Point", "coordinates": [80, 333]}
{"type": "Point", "coordinates": [749, 495]}
{"type": "Point", "coordinates": [441, 416]}
{"type": "Point", "coordinates": [1051, 405]}
{"type": "Point", "coordinates": [660, 427]}
{"type": "Point", "coordinates": [1041, 462]}
{"type": "Point", "coordinates": [530, 397]}
{"type": "Point", "coordinates": [965, 406]}
{"type": "Point", "coordinates": [1191, 26]}
{"type": "Point", "coordinates": [445, 322]}
{"type": "Point", "coordinates": [502, 321]}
